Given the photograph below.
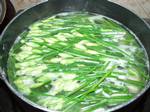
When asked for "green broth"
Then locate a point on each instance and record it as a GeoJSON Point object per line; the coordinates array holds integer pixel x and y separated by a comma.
{"type": "Point", "coordinates": [78, 61]}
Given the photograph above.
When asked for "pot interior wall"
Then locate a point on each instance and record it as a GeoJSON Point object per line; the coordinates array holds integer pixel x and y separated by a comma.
{"type": "Point", "coordinates": [103, 7]}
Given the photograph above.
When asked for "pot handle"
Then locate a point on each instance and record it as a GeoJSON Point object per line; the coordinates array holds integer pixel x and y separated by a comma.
{"type": "Point", "coordinates": [1, 75]}
{"type": "Point", "coordinates": [1, 71]}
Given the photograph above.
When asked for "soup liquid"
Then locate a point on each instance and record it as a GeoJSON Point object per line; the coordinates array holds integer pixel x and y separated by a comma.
{"type": "Point", "coordinates": [78, 62]}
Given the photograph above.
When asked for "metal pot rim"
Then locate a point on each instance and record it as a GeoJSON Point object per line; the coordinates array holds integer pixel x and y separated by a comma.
{"type": "Point", "coordinates": [3, 8]}
{"type": "Point", "coordinates": [33, 104]}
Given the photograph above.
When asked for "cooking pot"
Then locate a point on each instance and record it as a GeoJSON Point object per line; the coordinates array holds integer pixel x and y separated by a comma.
{"type": "Point", "coordinates": [7, 12]}
{"type": "Point", "coordinates": [51, 7]}
{"type": "Point", "coordinates": [2, 10]}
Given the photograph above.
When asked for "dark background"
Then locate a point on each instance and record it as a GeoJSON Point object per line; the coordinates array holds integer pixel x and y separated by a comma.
{"type": "Point", "coordinates": [8, 103]}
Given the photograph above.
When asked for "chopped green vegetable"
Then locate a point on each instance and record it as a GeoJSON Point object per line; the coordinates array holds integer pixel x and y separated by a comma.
{"type": "Point", "coordinates": [78, 62]}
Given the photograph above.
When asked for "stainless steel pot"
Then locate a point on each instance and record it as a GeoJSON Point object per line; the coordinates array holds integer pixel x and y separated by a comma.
{"type": "Point", "coordinates": [104, 7]}
{"type": "Point", "coordinates": [7, 12]}
{"type": "Point", "coordinates": [2, 10]}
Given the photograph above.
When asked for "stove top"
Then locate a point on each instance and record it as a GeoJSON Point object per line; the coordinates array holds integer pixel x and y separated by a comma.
{"type": "Point", "coordinates": [9, 104]}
